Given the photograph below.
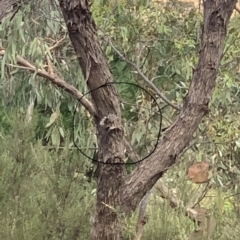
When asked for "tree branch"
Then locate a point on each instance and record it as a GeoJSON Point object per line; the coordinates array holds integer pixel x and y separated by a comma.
{"type": "Point", "coordinates": [190, 211]}
{"type": "Point", "coordinates": [175, 202]}
{"type": "Point", "coordinates": [237, 8]}
{"type": "Point", "coordinates": [216, 18]}
{"type": "Point", "coordinates": [10, 7]}
{"type": "Point", "coordinates": [55, 79]}
{"type": "Point", "coordinates": [145, 78]}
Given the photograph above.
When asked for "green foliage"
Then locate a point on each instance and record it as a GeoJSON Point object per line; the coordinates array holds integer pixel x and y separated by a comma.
{"type": "Point", "coordinates": [44, 194]}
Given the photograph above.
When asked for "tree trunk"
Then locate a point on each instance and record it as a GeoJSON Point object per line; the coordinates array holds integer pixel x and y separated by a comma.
{"type": "Point", "coordinates": [83, 34]}
{"type": "Point", "coordinates": [117, 193]}
{"type": "Point", "coordinates": [217, 14]}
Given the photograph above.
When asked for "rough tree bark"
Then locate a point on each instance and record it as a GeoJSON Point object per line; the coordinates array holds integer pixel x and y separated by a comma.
{"type": "Point", "coordinates": [8, 8]}
{"type": "Point", "coordinates": [83, 34]}
{"type": "Point", "coordinates": [116, 191]}
{"type": "Point", "coordinates": [195, 106]}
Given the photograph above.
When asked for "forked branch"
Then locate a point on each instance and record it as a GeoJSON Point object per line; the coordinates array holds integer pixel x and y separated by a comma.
{"type": "Point", "coordinates": [216, 18]}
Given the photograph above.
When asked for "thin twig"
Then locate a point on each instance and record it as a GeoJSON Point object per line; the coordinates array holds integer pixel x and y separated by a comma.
{"type": "Point", "coordinates": [144, 77]}
{"type": "Point", "coordinates": [176, 202]}
{"type": "Point", "coordinates": [57, 43]}
{"type": "Point", "coordinates": [69, 148]}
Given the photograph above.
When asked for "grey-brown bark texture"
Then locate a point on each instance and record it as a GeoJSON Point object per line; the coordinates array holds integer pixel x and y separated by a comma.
{"type": "Point", "coordinates": [195, 105]}
{"type": "Point", "coordinates": [5, 8]}
{"type": "Point", "coordinates": [83, 34]}
{"type": "Point", "coordinates": [115, 190]}
{"type": "Point", "coordinates": [10, 7]}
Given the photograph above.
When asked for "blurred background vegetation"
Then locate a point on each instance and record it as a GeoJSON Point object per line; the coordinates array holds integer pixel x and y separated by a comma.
{"type": "Point", "coordinates": [47, 187]}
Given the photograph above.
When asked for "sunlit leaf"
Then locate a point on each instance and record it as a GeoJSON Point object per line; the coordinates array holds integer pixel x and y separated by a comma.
{"type": "Point", "coordinates": [53, 118]}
